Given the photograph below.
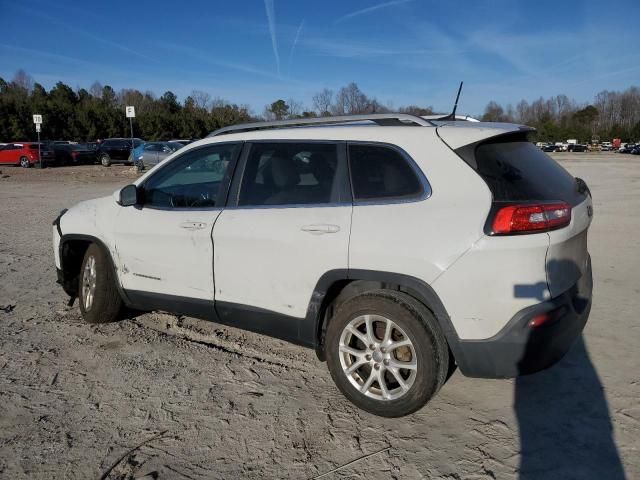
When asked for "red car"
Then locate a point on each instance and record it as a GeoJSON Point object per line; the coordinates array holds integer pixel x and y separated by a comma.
{"type": "Point", "coordinates": [25, 154]}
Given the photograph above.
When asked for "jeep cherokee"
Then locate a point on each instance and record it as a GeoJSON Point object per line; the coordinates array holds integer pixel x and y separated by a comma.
{"type": "Point", "coordinates": [395, 246]}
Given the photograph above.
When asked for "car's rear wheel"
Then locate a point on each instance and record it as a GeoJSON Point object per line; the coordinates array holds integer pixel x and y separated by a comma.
{"type": "Point", "coordinates": [24, 162]}
{"type": "Point", "coordinates": [100, 301]}
{"type": "Point", "coordinates": [386, 353]}
{"type": "Point", "coordinates": [105, 160]}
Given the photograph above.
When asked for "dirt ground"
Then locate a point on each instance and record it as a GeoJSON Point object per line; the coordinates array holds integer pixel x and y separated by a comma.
{"type": "Point", "coordinates": [216, 402]}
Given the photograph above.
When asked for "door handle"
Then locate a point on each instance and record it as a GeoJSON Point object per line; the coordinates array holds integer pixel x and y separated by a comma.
{"type": "Point", "coordinates": [320, 229]}
{"type": "Point", "coordinates": [193, 225]}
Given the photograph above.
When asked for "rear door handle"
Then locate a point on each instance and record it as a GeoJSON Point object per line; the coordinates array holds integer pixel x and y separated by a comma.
{"type": "Point", "coordinates": [193, 225]}
{"type": "Point", "coordinates": [320, 228]}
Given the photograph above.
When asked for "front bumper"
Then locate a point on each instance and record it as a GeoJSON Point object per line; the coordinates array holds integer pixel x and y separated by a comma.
{"type": "Point", "coordinates": [519, 349]}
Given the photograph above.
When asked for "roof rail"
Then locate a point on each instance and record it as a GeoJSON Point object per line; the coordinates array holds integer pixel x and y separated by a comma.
{"type": "Point", "coordinates": [456, 118]}
{"type": "Point", "coordinates": [382, 119]}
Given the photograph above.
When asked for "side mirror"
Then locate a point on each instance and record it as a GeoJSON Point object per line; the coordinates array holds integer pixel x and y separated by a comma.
{"type": "Point", "coordinates": [129, 195]}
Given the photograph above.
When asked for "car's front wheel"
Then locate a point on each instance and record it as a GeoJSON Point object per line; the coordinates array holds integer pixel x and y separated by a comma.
{"type": "Point", "coordinates": [100, 301]}
{"type": "Point", "coordinates": [386, 353]}
{"type": "Point", "coordinates": [24, 162]}
{"type": "Point", "coordinates": [105, 160]}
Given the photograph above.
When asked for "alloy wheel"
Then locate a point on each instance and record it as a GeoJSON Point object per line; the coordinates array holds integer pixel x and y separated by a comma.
{"type": "Point", "coordinates": [378, 357]}
{"type": "Point", "coordinates": [89, 283]}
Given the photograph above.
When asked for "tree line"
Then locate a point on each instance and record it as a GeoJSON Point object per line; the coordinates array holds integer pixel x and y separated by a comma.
{"type": "Point", "coordinates": [610, 115]}
{"type": "Point", "coordinates": [98, 112]}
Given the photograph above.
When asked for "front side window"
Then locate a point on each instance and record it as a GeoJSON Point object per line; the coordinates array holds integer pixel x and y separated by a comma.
{"type": "Point", "coordinates": [381, 173]}
{"type": "Point", "coordinates": [193, 180]}
{"type": "Point", "coordinates": [290, 174]}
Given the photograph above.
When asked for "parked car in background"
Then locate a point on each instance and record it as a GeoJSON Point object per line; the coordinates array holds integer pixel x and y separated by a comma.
{"type": "Point", "coordinates": [636, 150]}
{"type": "Point", "coordinates": [576, 147]}
{"type": "Point", "coordinates": [116, 150]}
{"type": "Point", "coordinates": [606, 146]}
{"type": "Point", "coordinates": [627, 148]}
{"type": "Point", "coordinates": [25, 154]}
{"type": "Point", "coordinates": [552, 148]}
{"type": "Point", "coordinates": [73, 153]}
{"type": "Point", "coordinates": [151, 153]}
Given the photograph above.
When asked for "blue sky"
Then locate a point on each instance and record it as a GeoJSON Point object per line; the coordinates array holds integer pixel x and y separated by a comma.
{"type": "Point", "coordinates": [400, 51]}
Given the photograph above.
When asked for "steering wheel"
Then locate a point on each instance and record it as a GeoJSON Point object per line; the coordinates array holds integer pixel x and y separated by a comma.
{"type": "Point", "coordinates": [198, 196]}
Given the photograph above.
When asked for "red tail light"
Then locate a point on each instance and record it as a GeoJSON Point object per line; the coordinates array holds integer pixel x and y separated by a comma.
{"type": "Point", "coordinates": [531, 218]}
{"type": "Point", "coordinates": [74, 154]}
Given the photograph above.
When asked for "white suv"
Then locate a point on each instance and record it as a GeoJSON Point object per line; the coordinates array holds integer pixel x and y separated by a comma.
{"type": "Point", "coordinates": [395, 246]}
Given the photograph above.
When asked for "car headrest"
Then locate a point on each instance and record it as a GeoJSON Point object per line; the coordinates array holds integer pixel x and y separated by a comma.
{"type": "Point", "coordinates": [284, 172]}
{"type": "Point", "coordinates": [321, 168]}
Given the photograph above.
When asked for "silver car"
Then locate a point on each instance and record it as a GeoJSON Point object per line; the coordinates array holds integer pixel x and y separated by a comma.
{"type": "Point", "coordinates": [152, 153]}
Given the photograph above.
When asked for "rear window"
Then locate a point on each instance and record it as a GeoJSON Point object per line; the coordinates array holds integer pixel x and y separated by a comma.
{"type": "Point", "coordinates": [518, 171]}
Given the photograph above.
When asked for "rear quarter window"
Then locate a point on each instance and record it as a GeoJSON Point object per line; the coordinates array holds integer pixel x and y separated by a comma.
{"type": "Point", "coordinates": [382, 173]}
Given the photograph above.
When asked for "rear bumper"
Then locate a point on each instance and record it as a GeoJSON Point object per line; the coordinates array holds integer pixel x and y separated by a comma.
{"type": "Point", "coordinates": [519, 349]}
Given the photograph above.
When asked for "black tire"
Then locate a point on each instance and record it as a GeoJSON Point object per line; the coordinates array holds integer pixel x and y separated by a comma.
{"type": "Point", "coordinates": [107, 303]}
{"type": "Point", "coordinates": [105, 160]}
{"type": "Point", "coordinates": [24, 162]}
{"type": "Point", "coordinates": [422, 329]}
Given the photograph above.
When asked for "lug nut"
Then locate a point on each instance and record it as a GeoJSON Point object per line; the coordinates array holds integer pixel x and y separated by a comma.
{"type": "Point", "coordinates": [368, 357]}
{"type": "Point", "coordinates": [383, 350]}
{"type": "Point", "coordinates": [372, 347]}
{"type": "Point", "coordinates": [377, 366]}
{"type": "Point", "coordinates": [386, 362]}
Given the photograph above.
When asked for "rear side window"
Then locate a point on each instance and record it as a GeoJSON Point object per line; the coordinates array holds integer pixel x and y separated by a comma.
{"type": "Point", "coordinates": [381, 173]}
{"type": "Point", "coordinates": [290, 174]}
{"type": "Point", "coordinates": [519, 171]}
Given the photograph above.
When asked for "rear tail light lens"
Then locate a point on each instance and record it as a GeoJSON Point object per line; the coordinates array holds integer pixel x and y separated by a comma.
{"type": "Point", "coordinates": [531, 218]}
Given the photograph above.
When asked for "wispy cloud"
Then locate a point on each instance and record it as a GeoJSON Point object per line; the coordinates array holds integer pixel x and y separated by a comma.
{"type": "Point", "coordinates": [373, 8]}
{"type": "Point", "coordinates": [271, 18]}
{"type": "Point", "coordinates": [80, 31]}
{"type": "Point", "coordinates": [293, 47]}
{"type": "Point", "coordinates": [206, 57]}
{"type": "Point", "coordinates": [347, 48]}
